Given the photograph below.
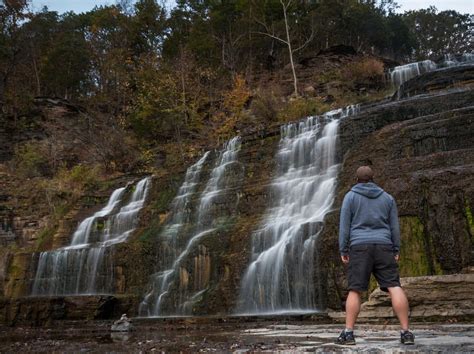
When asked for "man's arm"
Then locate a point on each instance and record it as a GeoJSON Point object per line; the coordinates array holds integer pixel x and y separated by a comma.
{"type": "Point", "coordinates": [344, 227]}
{"type": "Point", "coordinates": [395, 228]}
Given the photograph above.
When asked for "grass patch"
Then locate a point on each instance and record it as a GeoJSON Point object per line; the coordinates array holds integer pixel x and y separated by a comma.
{"type": "Point", "coordinates": [45, 238]}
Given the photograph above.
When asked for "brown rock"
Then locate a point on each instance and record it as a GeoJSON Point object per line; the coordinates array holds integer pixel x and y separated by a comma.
{"type": "Point", "coordinates": [429, 297]}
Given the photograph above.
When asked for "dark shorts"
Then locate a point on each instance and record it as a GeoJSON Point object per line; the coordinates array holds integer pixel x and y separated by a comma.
{"type": "Point", "coordinates": [372, 258]}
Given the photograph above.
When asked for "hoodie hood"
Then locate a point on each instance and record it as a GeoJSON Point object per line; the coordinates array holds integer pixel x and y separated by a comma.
{"type": "Point", "coordinates": [369, 190]}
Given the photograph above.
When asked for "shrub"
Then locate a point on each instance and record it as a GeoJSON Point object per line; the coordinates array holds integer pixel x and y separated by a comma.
{"type": "Point", "coordinates": [299, 108]}
{"type": "Point", "coordinates": [80, 177]}
{"type": "Point", "coordinates": [232, 109]}
{"type": "Point", "coordinates": [367, 70]}
{"type": "Point", "coordinates": [265, 105]}
{"type": "Point", "coordinates": [236, 99]}
{"type": "Point", "coordinates": [30, 160]}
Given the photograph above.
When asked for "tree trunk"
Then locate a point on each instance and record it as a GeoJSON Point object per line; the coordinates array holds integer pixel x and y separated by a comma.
{"type": "Point", "coordinates": [35, 68]}
{"type": "Point", "coordinates": [295, 82]}
{"type": "Point", "coordinates": [183, 88]}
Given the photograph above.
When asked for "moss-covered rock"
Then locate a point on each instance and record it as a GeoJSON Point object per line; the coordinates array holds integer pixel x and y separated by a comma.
{"type": "Point", "coordinates": [416, 249]}
{"type": "Point", "coordinates": [18, 276]}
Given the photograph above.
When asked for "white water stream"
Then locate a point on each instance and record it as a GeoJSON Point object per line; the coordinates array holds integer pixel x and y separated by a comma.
{"type": "Point", "coordinates": [282, 276]}
{"type": "Point", "coordinates": [155, 302]}
{"type": "Point", "coordinates": [85, 266]}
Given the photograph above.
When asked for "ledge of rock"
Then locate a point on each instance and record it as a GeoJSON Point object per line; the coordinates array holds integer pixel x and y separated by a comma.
{"type": "Point", "coordinates": [429, 296]}
{"type": "Point", "coordinates": [42, 310]}
{"type": "Point", "coordinates": [438, 80]}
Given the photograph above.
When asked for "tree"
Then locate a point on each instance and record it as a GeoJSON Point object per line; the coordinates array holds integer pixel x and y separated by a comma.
{"type": "Point", "coordinates": [63, 54]}
{"type": "Point", "coordinates": [40, 33]}
{"type": "Point", "coordinates": [148, 27]}
{"type": "Point", "coordinates": [12, 14]}
{"type": "Point", "coordinates": [269, 25]}
{"type": "Point", "coordinates": [401, 41]}
{"type": "Point", "coordinates": [439, 33]}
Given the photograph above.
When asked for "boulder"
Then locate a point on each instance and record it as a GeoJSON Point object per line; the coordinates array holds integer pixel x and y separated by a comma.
{"type": "Point", "coordinates": [430, 297]}
{"type": "Point", "coordinates": [124, 324]}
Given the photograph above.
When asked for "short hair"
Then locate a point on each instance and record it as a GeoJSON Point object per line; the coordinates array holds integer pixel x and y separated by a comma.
{"type": "Point", "coordinates": [364, 174]}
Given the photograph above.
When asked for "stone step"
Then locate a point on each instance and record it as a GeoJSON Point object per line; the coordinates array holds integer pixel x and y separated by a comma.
{"type": "Point", "coordinates": [448, 296]}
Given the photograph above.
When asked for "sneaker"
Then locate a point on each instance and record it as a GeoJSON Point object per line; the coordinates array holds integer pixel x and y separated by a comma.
{"type": "Point", "coordinates": [407, 337]}
{"type": "Point", "coordinates": [346, 338]}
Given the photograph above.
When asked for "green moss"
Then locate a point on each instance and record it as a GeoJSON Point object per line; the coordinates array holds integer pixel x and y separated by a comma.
{"type": "Point", "coordinates": [417, 254]}
{"type": "Point", "coordinates": [17, 271]}
{"type": "Point", "coordinates": [163, 200]}
{"type": "Point", "coordinates": [470, 219]}
{"type": "Point", "coordinates": [100, 225]}
{"type": "Point", "coordinates": [149, 233]}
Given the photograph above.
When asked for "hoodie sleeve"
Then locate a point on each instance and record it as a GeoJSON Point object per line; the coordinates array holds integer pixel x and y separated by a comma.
{"type": "Point", "coordinates": [395, 227]}
{"type": "Point", "coordinates": [345, 225]}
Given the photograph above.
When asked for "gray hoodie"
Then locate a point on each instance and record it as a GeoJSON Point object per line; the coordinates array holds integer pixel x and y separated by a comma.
{"type": "Point", "coordinates": [368, 215]}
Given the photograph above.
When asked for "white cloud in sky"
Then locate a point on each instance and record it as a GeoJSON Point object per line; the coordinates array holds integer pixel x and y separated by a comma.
{"type": "Point", "coordinates": [462, 6]}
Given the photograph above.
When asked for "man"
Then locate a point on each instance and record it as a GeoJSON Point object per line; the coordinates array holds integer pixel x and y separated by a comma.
{"type": "Point", "coordinates": [369, 242]}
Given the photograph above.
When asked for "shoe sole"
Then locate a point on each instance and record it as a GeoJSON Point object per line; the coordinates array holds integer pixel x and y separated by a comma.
{"type": "Point", "coordinates": [409, 342]}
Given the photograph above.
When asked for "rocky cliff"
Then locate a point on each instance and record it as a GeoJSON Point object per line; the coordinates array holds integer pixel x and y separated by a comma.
{"type": "Point", "coordinates": [421, 149]}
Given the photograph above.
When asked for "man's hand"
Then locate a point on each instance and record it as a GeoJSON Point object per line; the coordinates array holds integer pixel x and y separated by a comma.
{"type": "Point", "coordinates": [345, 259]}
{"type": "Point", "coordinates": [397, 258]}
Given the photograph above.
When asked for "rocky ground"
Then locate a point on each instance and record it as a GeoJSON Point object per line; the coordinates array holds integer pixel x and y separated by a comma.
{"type": "Point", "coordinates": [233, 336]}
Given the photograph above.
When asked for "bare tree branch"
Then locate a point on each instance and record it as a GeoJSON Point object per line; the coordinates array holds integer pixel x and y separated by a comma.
{"type": "Point", "coordinates": [287, 5]}
{"type": "Point", "coordinates": [262, 24]}
{"type": "Point", "coordinates": [272, 36]}
{"type": "Point", "coordinates": [307, 41]}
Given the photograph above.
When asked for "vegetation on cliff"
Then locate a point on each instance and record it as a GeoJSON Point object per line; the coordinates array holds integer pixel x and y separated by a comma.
{"type": "Point", "coordinates": [167, 82]}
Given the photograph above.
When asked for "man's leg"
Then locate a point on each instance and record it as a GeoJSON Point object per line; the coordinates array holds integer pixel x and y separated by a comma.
{"type": "Point", "coordinates": [352, 308]}
{"type": "Point", "coordinates": [400, 305]}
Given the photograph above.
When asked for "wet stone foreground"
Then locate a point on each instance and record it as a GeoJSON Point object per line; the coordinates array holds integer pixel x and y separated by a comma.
{"type": "Point", "coordinates": [232, 336]}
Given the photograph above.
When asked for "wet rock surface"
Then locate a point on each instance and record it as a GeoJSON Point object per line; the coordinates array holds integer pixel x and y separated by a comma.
{"type": "Point", "coordinates": [438, 79]}
{"type": "Point", "coordinates": [233, 337]}
{"type": "Point", "coordinates": [421, 150]}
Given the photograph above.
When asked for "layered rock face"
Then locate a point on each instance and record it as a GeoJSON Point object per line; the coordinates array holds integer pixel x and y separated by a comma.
{"type": "Point", "coordinates": [422, 152]}
{"type": "Point", "coordinates": [429, 298]}
{"type": "Point", "coordinates": [214, 264]}
{"type": "Point", "coordinates": [421, 149]}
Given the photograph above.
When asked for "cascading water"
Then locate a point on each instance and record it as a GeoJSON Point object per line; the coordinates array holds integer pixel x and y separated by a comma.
{"type": "Point", "coordinates": [161, 299]}
{"type": "Point", "coordinates": [85, 266]}
{"type": "Point", "coordinates": [281, 276]}
{"type": "Point", "coordinates": [451, 60]}
{"type": "Point", "coordinates": [180, 205]}
{"type": "Point", "coordinates": [403, 73]}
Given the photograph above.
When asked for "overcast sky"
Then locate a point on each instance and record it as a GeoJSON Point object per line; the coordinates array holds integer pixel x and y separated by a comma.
{"type": "Point", "coordinates": [463, 6]}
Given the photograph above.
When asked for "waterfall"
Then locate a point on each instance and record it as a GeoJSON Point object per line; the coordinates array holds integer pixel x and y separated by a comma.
{"type": "Point", "coordinates": [401, 74]}
{"type": "Point", "coordinates": [451, 60]}
{"type": "Point", "coordinates": [281, 276]}
{"type": "Point", "coordinates": [86, 266]}
{"type": "Point", "coordinates": [180, 205]}
{"type": "Point", "coordinates": [169, 294]}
